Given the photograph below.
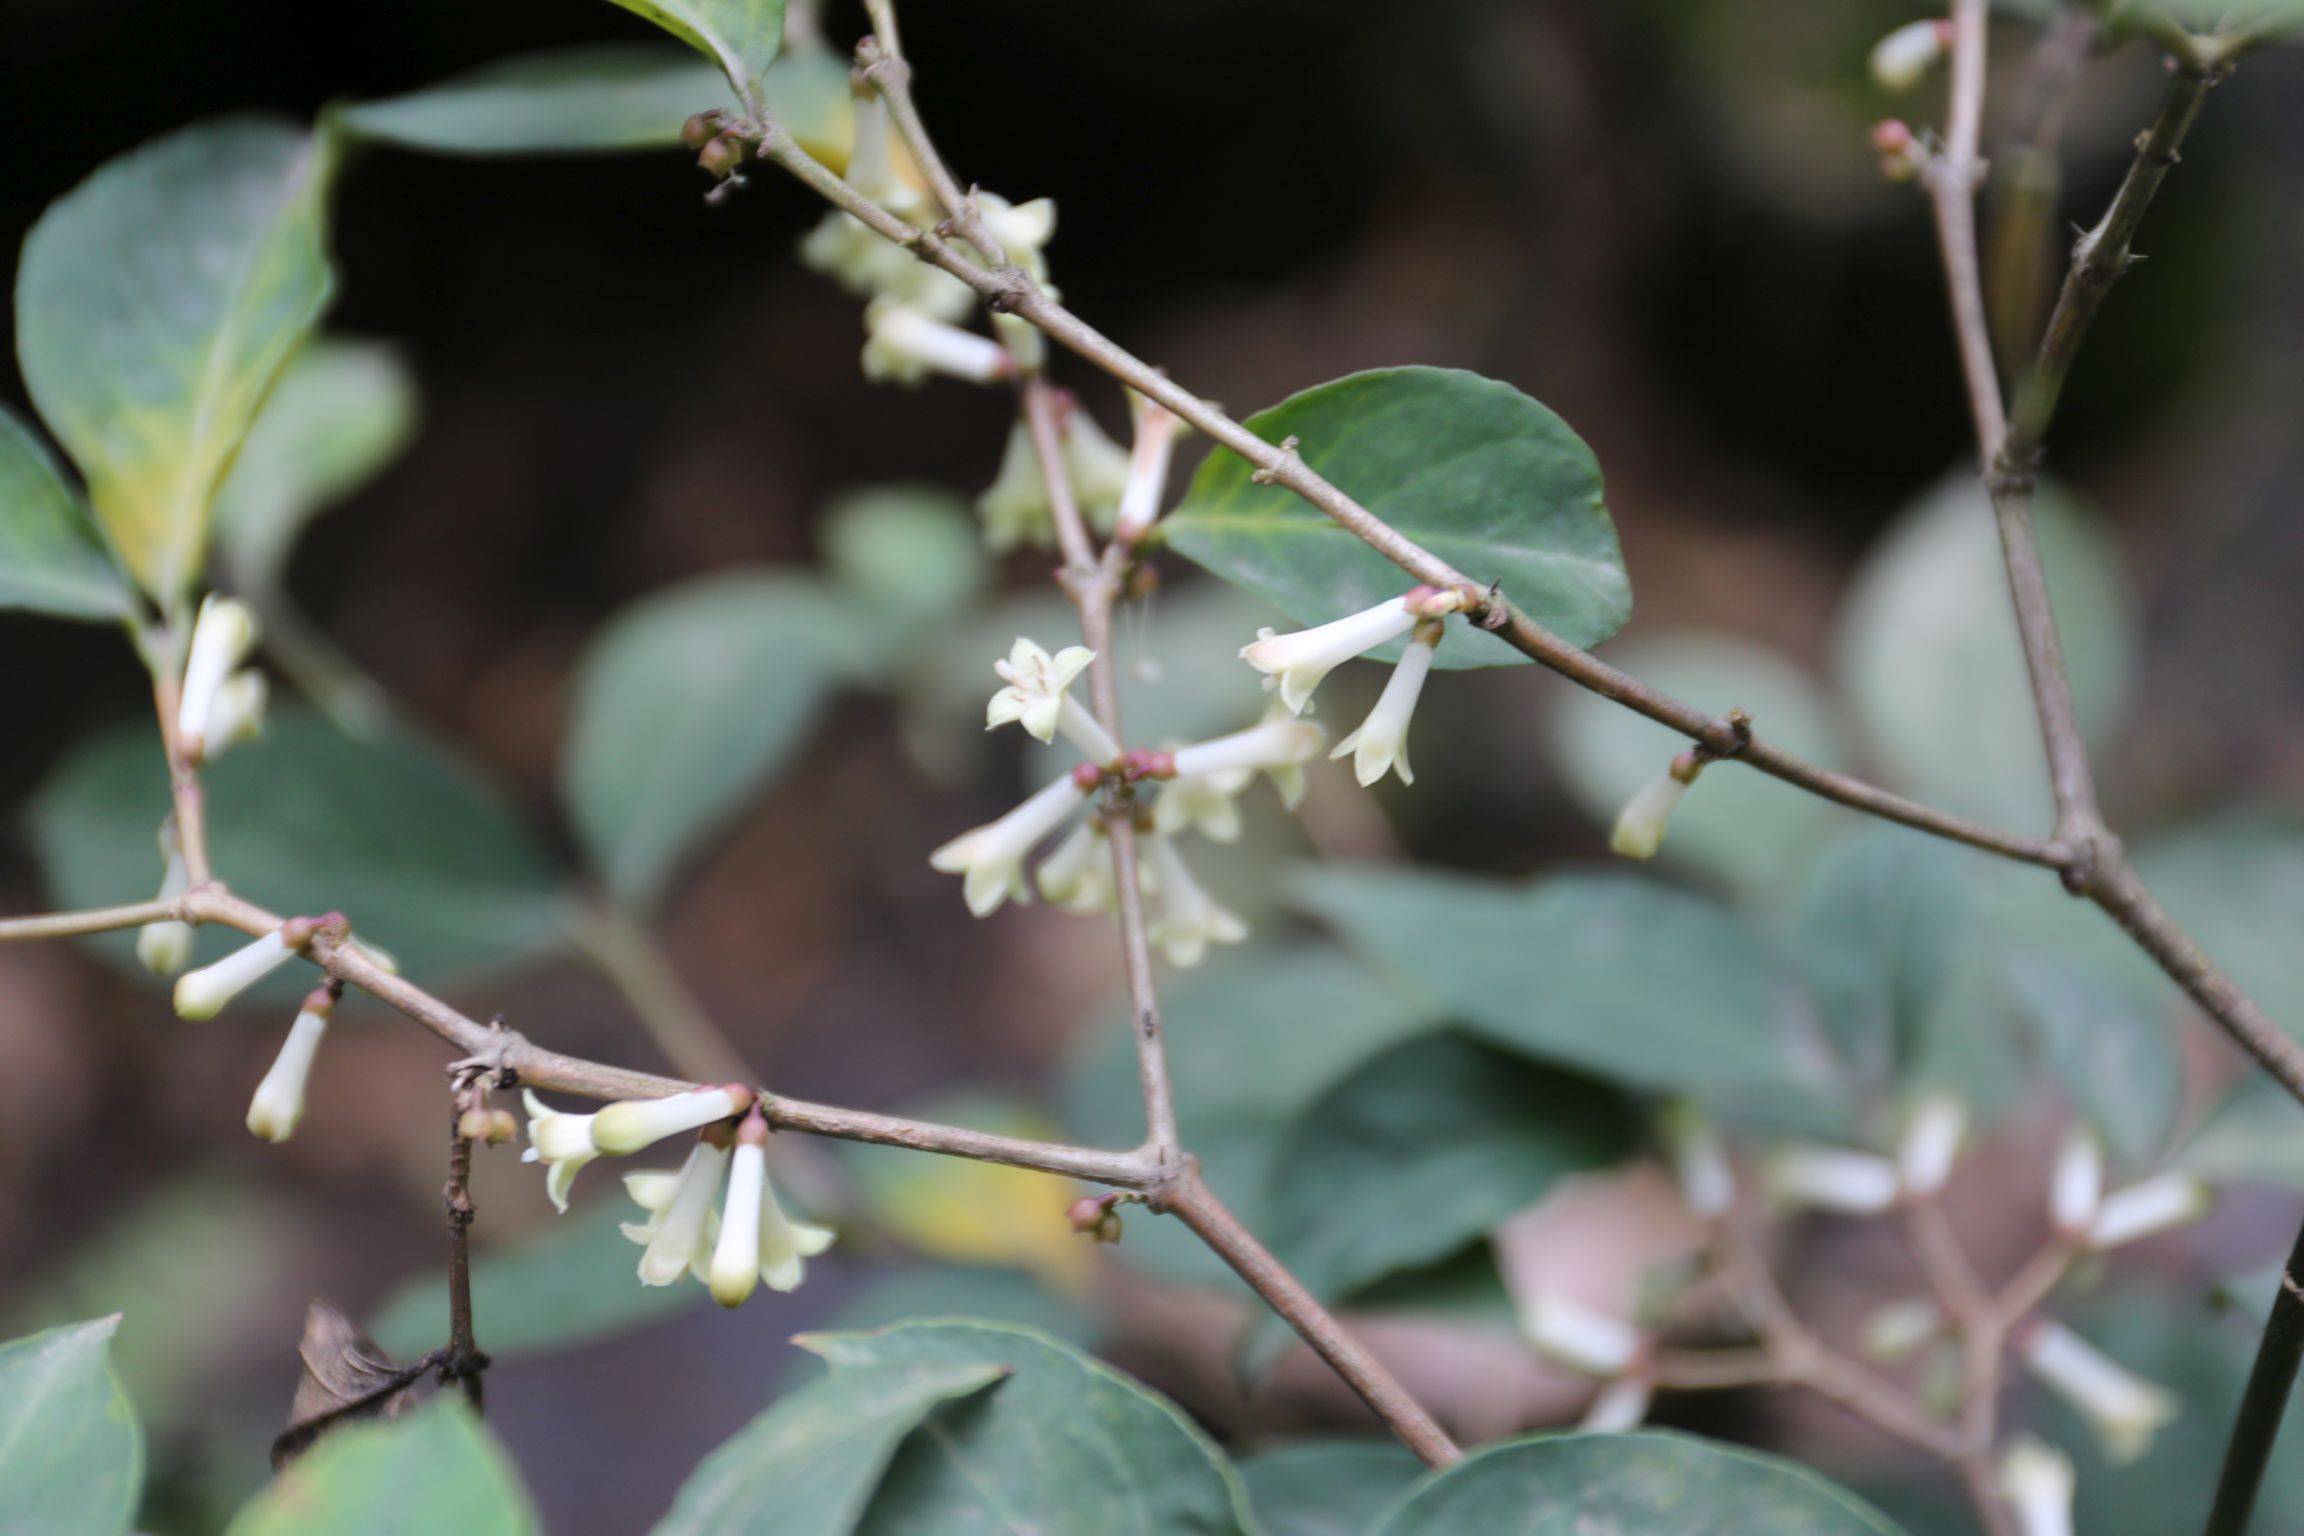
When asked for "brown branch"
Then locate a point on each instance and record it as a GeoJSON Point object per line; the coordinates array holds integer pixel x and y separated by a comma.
{"type": "Point", "coordinates": [1976, 1315]}
{"type": "Point", "coordinates": [465, 1361]}
{"type": "Point", "coordinates": [67, 925]}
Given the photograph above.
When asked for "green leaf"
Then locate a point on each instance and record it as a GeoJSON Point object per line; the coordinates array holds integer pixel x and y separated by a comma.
{"type": "Point", "coordinates": [341, 411]}
{"type": "Point", "coordinates": [562, 100]}
{"type": "Point", "coordinates": [1609, 974]}
{"type": "Point", "coordinates": [1755, 832]}
{"type": "Point", "coordinates": [2234, 881]}
{"type": "Point", "coordinates": [155, 305]}
{"type": "Point", "coordinates": [1423, 1150]}
{"type": "Point", "coordinates": [686, 706]}
{"type": "Point", "coordinates": [437, 1469]}
{"type": "Point", "coordinates": [51, 557]}
{"type": "Point", "coordinates": [909, 553]}
{"type": "Point", "coordinates": [1931, 661]}
{"type": "Point", "coordinates": [808, 1466]}
{"type": "Point", "coordinates": [71, 1456]}
{"type": "Point", "coordinates": [571, 1282]}
{"type": "Point", "coordinates": [955, 1290]}
{"type": "Point", "coordinates": [1646, 1484]}
{"type": "Point", "coordinates": [1065, 1447]}
{"type": "Point", "coordinates": [1473, 470]}
{"type": "Point", "coordinates": [1244, 1069]}
{"type": "Point", "coordinates": [743, 37]}
{"type": "Point", "coordinates": [425, 860]}
{"type": "Point", "coordinates": [1328, 1487]}
{"type": "Point", "coordinates": [2109, 1046]}
{"type": "Point", "coordinates": [2256, 1136]}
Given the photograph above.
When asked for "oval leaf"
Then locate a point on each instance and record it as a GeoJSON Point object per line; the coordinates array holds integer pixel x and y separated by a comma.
{"type": "Point", "coordinates": [808, 1466]}
{"type": "Point", "coordinates": [438, 1469]}
{"type": "Point", "coordinates": [1328, 1487]}
{"type": "Point", "coordinates": [563, 100]}
{"type": "Point", "coordinates": [1064, 1447]}
{"type": "Point", "coordinates": [1473, 470]}
{"type": "Point", "coordinates": [743, 37]}
{"type": "Point", "coordinates": [71, 1455]}
{"type": "Point", "coordinates": [156, 303]}
{"type": "Point", "coordinates": [1646, 1484]}
{"type": "Point", "coordinates": [51, 559]}
{"type": "Point", "coordinates": [685, 706]}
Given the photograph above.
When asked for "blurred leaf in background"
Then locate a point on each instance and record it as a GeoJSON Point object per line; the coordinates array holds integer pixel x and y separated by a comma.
{"type": "Point", "coordinates": [71, 1454]}
{"type": "Point", "coordinates": [52, 560]}
{"type": "Point", "coordinates": [436, 1469]}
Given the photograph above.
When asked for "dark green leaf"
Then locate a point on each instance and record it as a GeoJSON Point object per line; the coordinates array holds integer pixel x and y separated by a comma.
{"type": "Point", "coordinates": [1244, 1068]}
{"type": "Point", "coordinates": [743, 37]}
{"type": "Point", "coordinates": [808, 1466]}
{"type": "Point", "coordinates": [1646, 1484]}
{"type": "Point", "coordinates": [1613, 975]}
{"type": "Point", "coordinates": [156, 303]}
{"type": "Point", "coordinates": [1328, 1487]}
{"type": "Point", "coordinates": [563, 100]}
{"type": "Point", "coordinates": [2111, 1049]}
{"type": "Point", "coordinates": [423, 858]}
{"type": "Point", "coordinates": [954, 1290]}
{"type": "Point", "coordinates": [437, 1469]}
{"type": "Point", "coordinates": [573, 1281]}
{"type": "Point", "coordinates": [1064, 1447]}
{"type": "Point", "coordinates": [1473, 470]}
{"type": "Point", "coordinates": [71, 1456]}
{"type": "Point", "coordinates": [51, 558]}
{"type": "Point", "coordinates": [686, 706]}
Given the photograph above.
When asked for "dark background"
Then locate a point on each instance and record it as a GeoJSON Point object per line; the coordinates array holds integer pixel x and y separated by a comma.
{"type": "Point", "coordinates": [1660, 218]}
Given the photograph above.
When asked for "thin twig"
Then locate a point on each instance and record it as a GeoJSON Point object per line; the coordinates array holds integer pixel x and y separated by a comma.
{"type": "Point", "coordinates": [465, 1363]}
{"type": "Point", "coordinates": [66, 925]}
{"type": "Point", "coordinates": [2256, 1428]}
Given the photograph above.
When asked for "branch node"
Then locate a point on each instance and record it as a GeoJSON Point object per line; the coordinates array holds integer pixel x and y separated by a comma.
{"type": "Point", "coordinates": [1269, 473]}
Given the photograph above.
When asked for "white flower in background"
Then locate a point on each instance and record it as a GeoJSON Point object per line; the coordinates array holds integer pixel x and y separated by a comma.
{"type": "Point", "coordinates": [1380, 746]}
{"type": "Point", "coordinates": [2144, 1210]}
{"type": "Point", "coordinates": [1207, 803]}
{"type": "Point", "coordinates": [1149, 455]}
{"type": "Point", "coordinates": [630, 1124]}
{"type": "Point", "coordinates": [1900, 1327]}
{"type": "Point", "coordinates": [906, 344]}
{"type": "Point", "coordinates": [1931, 1142]}
{"type": "Point", "coordinates": [2125, 1410]}
{"type": "Point", "coordinates": [1904, 56]}
{"type": "Point", "coordinates": [1639, 829]}
{"type": "Point", "coordinates": [2036, 1480]}
{"type": "Point", "coordinates": [562, 1142]}
{"type": "Point", "coordinates": [1580, 1337]}
{"type": "Point", "coordinates": [1023, 229]}
{"type": "Point", "coordinates": [1015, 506]}
{"type": "Point", "coordinates": [1299, 661]}
{"type": "Point", "coordinates": [1038, 695]}
{"type": "Point", "coordinates": [1278, 746]}
{"type": "Point", "coordinates": [1699, 1160]}
{"type": "Point", "coordinates": [1078, 875]}
{"type": "Point", "coordinates": [2076, 1188]}
{"type": "Point", "coordinates": [1097, 465]}
{"type": "Point", "coordinates": [222, 636]}
{"type": "Point", "coordinates": [757, 1241]}
{"type": "Point", "coordinates": [279, 1102]}
{"type": "Point", "coordinates": [1188, 919]}
{"type": "Point", "coordinates": [1833, 1179]}
{"type": "Point", "coordinates": [847, 251]}
{"type": "Point", "coordinates": [677, 1237]}
{"type": "Point", "coordinates": [1618, 1407]}
{"type": "Point", "coordinates": [201, 994]}
{"type": "Point", "coordinates": [991, 858]}
{"type": "Point", "coordinates": [166, 947]}
{"type": "Point", "coordinates": [238, 714]}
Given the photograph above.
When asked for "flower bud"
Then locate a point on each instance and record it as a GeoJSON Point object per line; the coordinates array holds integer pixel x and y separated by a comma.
{"type": "Point", "coordinates": [474, 1124]}
{"type": "Point", "coordinates": [278, 1106]}
{"type": "Point", "coordinates": [1699, 1160]}
{"type": "Point", "coordinates": [1900, 1327]}
{"type": "Point", "coordinates": [1901, 155]}
{"type": "Point", "coordinates": [2125, 1410]}
{"type": "Point", "coordinates": [1639, 829]}
{"type": "Point", "coordinates": [722, 156]}
{"type": "Point", "coordinates": [202, 994]}
{"type": "Point", "coordinates": [700, 129]}
{"type": "Point", "coordinates": [1900, 59]}
{"type": "Point", "coordinates": [2076, 1188]}
{"type": "Point", "coordinates": [502, 1127]}
{"type": "Point", "coordinates": [2036, 1479]}
{"type": "Point", "coordinates": [222, 636]}
{"type": "Point", "coordinates": [1833, 1179]}
{"type": "Point", "coordinates": [1931, 1141]}
{"type": "Point", "coordinates": [1580, 1337]}
{"type": "Point", "coordinates": [2157, 1205]}
{"type": "Point", "coordinates": [631, 1124]}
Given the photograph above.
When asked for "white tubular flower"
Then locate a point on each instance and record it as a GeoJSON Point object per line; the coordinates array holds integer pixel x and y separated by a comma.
{"type": "Point", "coordinates": [1618, 1407]}
{"type": "Point", "coordinates": [2125, 1410]}
{"type": "Point", "coordinates": [1931, 1141]}
{"type": "Point", "coordinates": [991, 858]}
{"type": "Point", "coordinates": [1023, 229]}
{"type": "Point", "coordinates": [2036, 1479]}
{"type": "Point", "coordinates": [2144, 1210]}
{"type": "Point", "coordinates": [1579, 1337]}
{"type": "Point", "coordinates": [2076, 1189]}
{"type": "Point", "coordinates": [676, 1237]}
{"type": "Point", "coordinates": [1207, 803]}
{"type": "Point", "coordinates": [221, 639]}
{"type": "Point", "coordinates": [757, 1240]}
{"type": "Point", "coordinates": [1699, 1160]}
{"type": "Point", "coordinates": [1189, 919]}
{"type": "Point", "coordinates": [1904, 56]}
{"type": "Point", "coordinates": [907, 344]}
{"type": "Point", "coordinates": [279, 1102]}
{"type": "Point", "coordinates": [1834, 1179]}
{"type": "Point", "coordinates": [1148, 458]}
{"type": "Point", "coordinates": [1639, 829]}
{"type": "Point", "coordinates": [1097, 465]}
{"type": "Point", "coordinates": [1278, 745]}
{"type": "Point", "coordinates": [1078, 875]}
{"type": "Point", "coordinates": [201, 994]}
{"type": "Point", "coordinates": [1300, 660]}
{"type": "Point", "coordinates": [1037, 693]}
{"type": "Point", "coordinates": [1900, 1327]}
{"type": "Point", "coordinates": [627, 1126]}
{"type": "Point", "coordinates": [1015, 506]}
{"type": "Point", "coordinates": [166, 947]}
{"type": "Point", "coordinates": [562, 1142]}
{"type": "Point", "coordinates": [238, 714]}
{"type": "Point", "coordinates": [1380, 746]}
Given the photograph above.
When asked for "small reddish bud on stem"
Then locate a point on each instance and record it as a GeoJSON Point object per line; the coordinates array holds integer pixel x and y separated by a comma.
{"type": "Point", "coordinates": [1086, 776]}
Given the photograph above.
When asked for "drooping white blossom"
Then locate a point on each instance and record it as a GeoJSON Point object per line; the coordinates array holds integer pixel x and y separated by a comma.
{"type": "Point", "coordinates": [1278, 746]}
{"type": "Point", "coordinates": [905, 344]}
{"type": "Point", "coordinates": [1902, 58]}
{"type": "Point", "coordinates": [1931, 1141]}
{"type": "Point", "coordinates": [676, 1238]}
{"type": "Point", "coordinates": [278, 1106]}
{"type": "Point", "coordinates": [757, 1241]}
{"type": "Point", "coordinates": [2076, 1188]}
{"type": "Point", "coordinates": [630, 1124]}
{"type": "Point", "coordinates": [1833, 1179]}
{"type": "Point", "coordinates": [2036, 1479]}
{"type": "Point", "coordinates": [1580, 1337]}
{"type": "Point", "coordinates": [1149, 455]}
{"type": "Point", "coordinates": [1298, 661]}
{"type": "Point", "coordinates": [2125, 1410]}
{"type": "Point", "coordinates": [222, 636]}
{"type": "Point", "coordinates": [165, 947]}
{"type": "Point", "coordinates": [1380, 745]}
{"type": "Point", "coordinates": [1078, 875]}
{"type": "Point", "coordinates": [562, 1142]}
{"type": "Point", "coordinates": [2156, 1205]}
{"type": "Point", "coordinates": [990, 858]}
{"type": "Point", "coordinates": [1207, 803]}
{"type": "Point", "coordinates": [202, 994]}
{"type": "Point", "coordinates": [1640, 826]}
{"type": "Point", "coordinates": [1186, 919]}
